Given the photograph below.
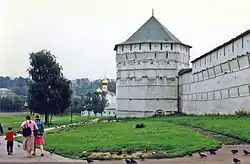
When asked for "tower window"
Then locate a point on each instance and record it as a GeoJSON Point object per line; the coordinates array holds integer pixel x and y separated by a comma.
{"type": "Point", "coordinates": [140, 46]}
{"type": "Point", "coordinates": [166, 55]}
{"type": "Point", "coordinates": [122, 47]}
{"type": "Point", "coordinates": [150, 46]}
{"type": "Point", "coordinates": [155, 55]}
{"type": "Point", "coordinates": [242, 42]}
{"type": "Point", "coordinates": [171, 46]}
{"type": "Point", "coordinates": [131, 47]}
{"type": "Point", "coordinates": [161, 46]}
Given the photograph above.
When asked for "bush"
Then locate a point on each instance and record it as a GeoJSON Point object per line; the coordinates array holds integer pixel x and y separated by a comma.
{"type": "Point", "coordinates": [242, 113]}
{"type": "Point", "coordinates": [141, 125]}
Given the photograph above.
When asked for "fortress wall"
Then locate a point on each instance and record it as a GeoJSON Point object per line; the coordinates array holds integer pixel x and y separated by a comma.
{"type": "Point", "coordinates": [223, 88]}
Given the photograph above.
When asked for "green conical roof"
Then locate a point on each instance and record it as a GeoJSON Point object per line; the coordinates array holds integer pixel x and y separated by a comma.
{"type": "Point", "coordinates": [152, 31]}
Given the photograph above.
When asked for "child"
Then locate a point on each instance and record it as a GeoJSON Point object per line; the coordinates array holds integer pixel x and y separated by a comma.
{"type": "Point", "coordinates": [10, 140]}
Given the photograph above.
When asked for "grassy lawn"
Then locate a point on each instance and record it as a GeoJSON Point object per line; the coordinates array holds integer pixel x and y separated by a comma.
{"type": "Point", "coordinates": [233, 126]}
{"type": "Point", "coordinates": [15, 121]}
{"type": "Point", "coordinates": [158, 134]}
{"type": "Point", "coordinates": [164, 134]}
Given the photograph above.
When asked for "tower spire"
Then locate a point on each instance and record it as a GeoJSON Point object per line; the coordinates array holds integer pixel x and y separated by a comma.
{"type": "Point", "coordinates": [152, 12]}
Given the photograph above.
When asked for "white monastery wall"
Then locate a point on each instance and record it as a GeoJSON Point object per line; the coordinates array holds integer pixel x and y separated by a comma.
{"type": "Point", "coordinates": [220, 81]}
{"type": "Point", "coordinates": [224, 53]}
{"type": "Point", "coordinates": [146, 77]}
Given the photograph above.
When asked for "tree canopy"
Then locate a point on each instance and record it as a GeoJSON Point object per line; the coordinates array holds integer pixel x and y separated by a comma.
{"type": "Point", "coordinates": [49, 91]}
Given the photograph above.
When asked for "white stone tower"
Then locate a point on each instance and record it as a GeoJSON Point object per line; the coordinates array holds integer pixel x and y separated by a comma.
{"type": "Point", "coordinates": [147, 71]}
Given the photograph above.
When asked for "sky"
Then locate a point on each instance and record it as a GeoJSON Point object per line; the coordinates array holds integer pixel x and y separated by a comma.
{"type": "Point", "coordinates": [82, 33]}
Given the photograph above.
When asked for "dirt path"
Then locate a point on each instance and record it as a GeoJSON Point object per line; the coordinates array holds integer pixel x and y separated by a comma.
{"type": "Point", "coordinates": [226, 140]}
{"type": "Point", "coordinates": [224, 156]}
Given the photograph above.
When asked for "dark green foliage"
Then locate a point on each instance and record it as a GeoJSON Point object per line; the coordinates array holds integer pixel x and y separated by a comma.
{"type": "Point", "coordinates": [49, 90]}
{"type": "Point", "coordinates": [12, 103]}
{"type": "Point", "coordinates": [141, 125]}
{"type": "Point", "coordinates": [95, 102]}
{"type": "Point", "coordinates": [17, 85]}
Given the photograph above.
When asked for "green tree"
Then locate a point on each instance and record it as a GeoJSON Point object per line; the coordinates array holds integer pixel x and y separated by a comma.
{"type": "Point", "coordinates": [49, 91]}
{"type": "Point", "coordinates": [12, 103]}
{"type": "Point", "coordinates": [103, 102]}
{"type": "Point", "coordinates": [95, 102]}
{"type": "Point", "coordinates": [88, 102]}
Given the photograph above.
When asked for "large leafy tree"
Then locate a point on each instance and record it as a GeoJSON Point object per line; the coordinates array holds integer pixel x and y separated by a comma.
{"type": "Point", "coordinates": [49, 91]}
{"type": "Point", "coordinates": [95, 102]}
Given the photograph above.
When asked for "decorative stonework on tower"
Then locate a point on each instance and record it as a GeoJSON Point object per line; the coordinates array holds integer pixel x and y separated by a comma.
{"type": "Point", "coordinates": [147, 68]}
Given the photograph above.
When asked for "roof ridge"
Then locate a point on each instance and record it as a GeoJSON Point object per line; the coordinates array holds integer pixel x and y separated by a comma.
{"type": "Point", "coordinates": [167, 31]}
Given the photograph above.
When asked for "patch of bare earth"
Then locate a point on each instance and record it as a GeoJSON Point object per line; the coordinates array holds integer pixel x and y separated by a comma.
{"type": "Point", "coordinates": [223, 156]}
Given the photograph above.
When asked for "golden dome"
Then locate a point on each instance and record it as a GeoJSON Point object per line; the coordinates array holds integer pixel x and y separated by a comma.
{"type": "Point", "coordinates": [98, 90]}
{"type": "Point", "coordinates": [105, 81]}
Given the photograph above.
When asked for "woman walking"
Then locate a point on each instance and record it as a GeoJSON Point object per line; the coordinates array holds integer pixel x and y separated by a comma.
{"type": "Point", "coordinates": [39, 139]}
{"type": "Point", "coordinates": [28, 128]}
{"type": "Point", "coordinates": [1, 129]}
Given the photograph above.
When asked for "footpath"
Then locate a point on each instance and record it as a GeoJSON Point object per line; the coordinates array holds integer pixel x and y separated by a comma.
{"type": "Point", "coordinates": [19, 155]}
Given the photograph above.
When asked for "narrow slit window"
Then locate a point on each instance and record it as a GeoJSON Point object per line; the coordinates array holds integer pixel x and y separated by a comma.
{"type": "Point", "coordinates": [166, 55]}
{"type": "Point", "coordinates": [161, 46]}
{"type": "Point", "coordinates": [140, 46]}
{"type": "Point", "coordinates": [232, 47]}
{"type": "Point", "coordinates": [122, 47]}
{"type": "Point", "coordinates": [242, 42]}
{"type": "Point", "coordinates": [171, 46]}
{"type": "Point", "coordinates": [150, 46]}
{"type": "Point", "coordinates": [155, 55]}
{"type": "Point", "coordinates": [131, 47]}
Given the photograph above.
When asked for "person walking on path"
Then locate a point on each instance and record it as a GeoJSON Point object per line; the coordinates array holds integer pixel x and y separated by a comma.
{"type": "Point", "coordinates": [28, 127]}
{"type": "Point", "coordinates": [39, 139]}
{"type": "Point", "coordinates": [10, 140]}
{"type": "Point", "coordinates": [1, 129]}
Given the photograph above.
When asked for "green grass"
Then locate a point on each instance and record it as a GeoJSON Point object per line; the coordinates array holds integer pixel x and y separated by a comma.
{"type": "Point", "coordinates": [16, 120]}
{"type": "Point", "coordinates": [233, 126]}
{"type": "Point", "coordinates": [176, 140]}
{"type": "Point", "coordinates": [165, 133]}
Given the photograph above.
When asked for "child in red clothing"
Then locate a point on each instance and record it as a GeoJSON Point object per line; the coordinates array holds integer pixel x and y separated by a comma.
{"type": "Point", "coordinates": [10, 140]}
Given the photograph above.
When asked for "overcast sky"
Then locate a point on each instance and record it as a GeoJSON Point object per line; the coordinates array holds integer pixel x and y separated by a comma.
{"type": "Point", "coordinates": [83, 33]}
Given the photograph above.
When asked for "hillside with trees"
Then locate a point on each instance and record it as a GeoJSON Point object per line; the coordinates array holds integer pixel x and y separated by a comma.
{"type": "Point", "coordinates": [19, 86]}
